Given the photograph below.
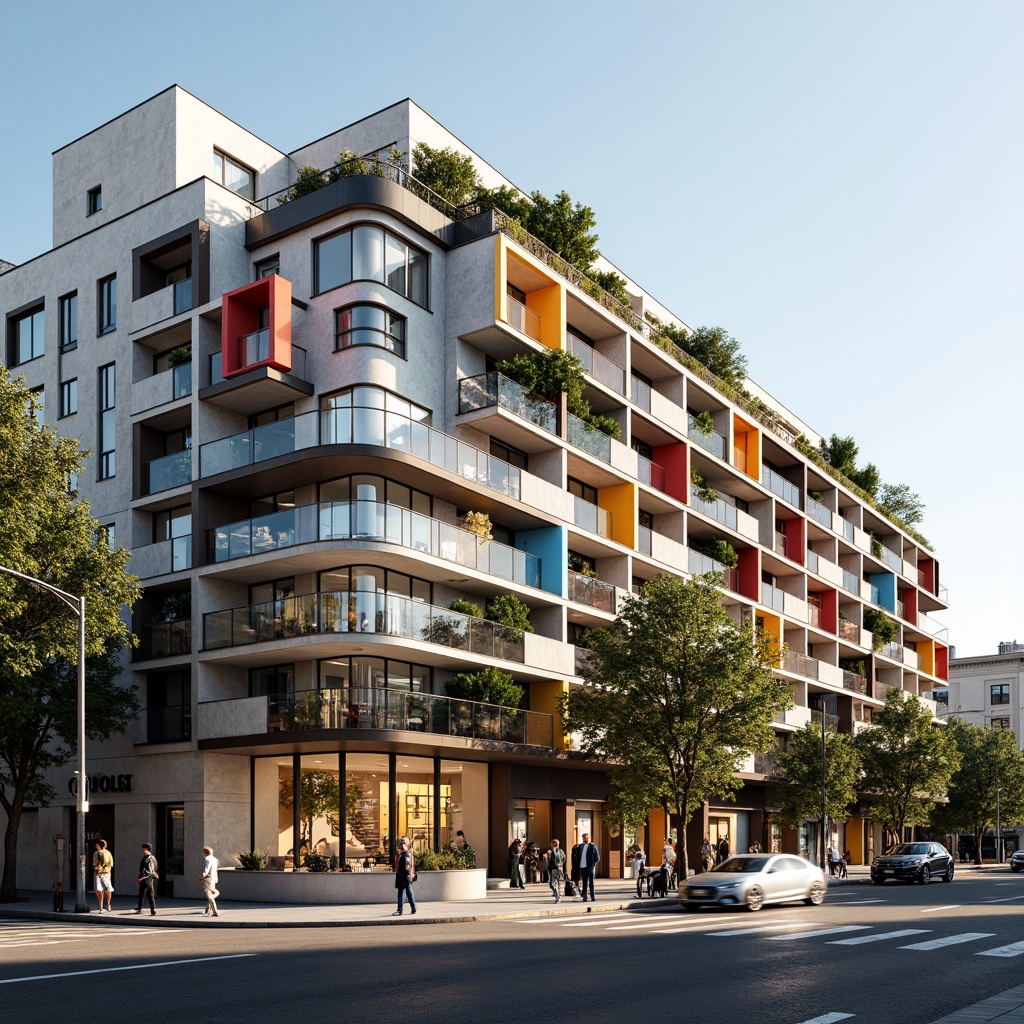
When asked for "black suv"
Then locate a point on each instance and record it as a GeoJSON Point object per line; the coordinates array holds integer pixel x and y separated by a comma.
{"type": "Point", "coordinates": [920, 862]}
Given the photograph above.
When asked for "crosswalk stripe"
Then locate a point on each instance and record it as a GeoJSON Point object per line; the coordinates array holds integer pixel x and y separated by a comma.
{"type": "Point", "coordinates": [562, 920]}
{"type": "Point", "coordinates": [950, 940]}
{"type": "Point", "coordinates": [1006, 899]}
{"type": "Point", "coordinates": [1013, 949]}
{"type": "Point", "coordinates": [757, 929]}
{"type": "Point", "coordinates": [820, 931]}
{"type": "Point", "coordinates": [950, 906]}
{"type": "Point", "coordinates": [658, 923]}
{"type": "Point", "coordinates": [861, 939]}
{"type": "Point", "coordinates": [829, 1018]}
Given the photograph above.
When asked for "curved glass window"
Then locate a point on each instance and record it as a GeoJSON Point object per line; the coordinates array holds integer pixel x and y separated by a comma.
{"type": "Point", "coordinates": [369, 325]}
{"type": "Point", "coordinates": [376, 597]}
{"type": "Point", "coordinates": [369, 253]}
{"type": "Point", "coordinates": [368, 415]}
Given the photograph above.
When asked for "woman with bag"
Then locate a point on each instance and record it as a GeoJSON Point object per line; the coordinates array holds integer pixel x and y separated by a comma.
{"type": "Point", "coordinates": [405, 875]}
{"type": "Point", "coordinates": [556, 869]}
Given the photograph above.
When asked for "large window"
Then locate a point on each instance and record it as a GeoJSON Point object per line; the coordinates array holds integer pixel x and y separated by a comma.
{"type": "Point", "coordinates": [272, 681]}
{"type": "Point", "coordinates": [999, 693]}
{"type": "Point", "coordinates": [175, 525]}
{"type": "Point", "coordinates": [169, 707]}
{"type": "Point", "coordinates": [107, 460]}
{"type": "Point", "coordinates": [233, 175]}
{"type": "Point", "coordinates": [369, 253]}
{"type": "Point", "coordinates": [69, 322]}
{"type": "Point", "coordinates": [370, 325]}
{"type": "Point", "coordinates": [69, 397]}
{"type": "Point", "coordinates": [26, 336]}
{"type": "Point", "coordinates": [378, 600]}
{"type": "Point", "coordinates": [106, 304]}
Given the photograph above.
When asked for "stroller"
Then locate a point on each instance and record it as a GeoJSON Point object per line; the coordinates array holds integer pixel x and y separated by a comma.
{"type": "Point", "coordinates": [655, 882]}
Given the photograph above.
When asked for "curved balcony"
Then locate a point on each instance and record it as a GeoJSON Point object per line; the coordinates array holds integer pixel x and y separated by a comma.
{"type": "Point", "coordinates": [362, 426]}
{"type": "Point", "coordinates": [363, 612]}
{"type": "Point", "coordinates": [489, 390]}
{"type": "Point", "coordinates": [373, 521]}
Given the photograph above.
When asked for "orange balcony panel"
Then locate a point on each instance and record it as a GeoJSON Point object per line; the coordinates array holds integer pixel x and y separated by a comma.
{"type": "Point", "coordinates": [246, 342]}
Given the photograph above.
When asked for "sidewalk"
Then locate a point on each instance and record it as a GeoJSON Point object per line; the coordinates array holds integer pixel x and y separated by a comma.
{"type": "Point", "coordinates": [613, 894]}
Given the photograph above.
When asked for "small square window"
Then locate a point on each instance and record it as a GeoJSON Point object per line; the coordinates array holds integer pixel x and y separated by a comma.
{"type": "Point", "coordinates": [999, 693]}
{"type": "Point", "coordinates": [94, 200]}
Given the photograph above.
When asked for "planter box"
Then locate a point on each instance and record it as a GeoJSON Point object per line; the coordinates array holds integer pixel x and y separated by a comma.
{"type": "Point", "coordinates": [343, 887]}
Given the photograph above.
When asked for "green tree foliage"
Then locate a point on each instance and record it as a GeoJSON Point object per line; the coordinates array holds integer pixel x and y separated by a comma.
{"type": "Point", "coordinates": [900, 501]}
{"type": "Point", "coordinates": [452, 175]}
{"type": "Point", "coordinates": [990, 760]}
{"type": "Point", "coordinates": [882, 629]}
{"type": "Point", "coordinates": [466, 607]}
{"type": "Point", "coordinates": [612, 283]}
{"type": "Point", "coordinates": [867, 478]}
{"type": "Point", "coordinates": [308, 179]}
{"type": "Point", "coordinates": [841, 453]}
{"type": "Point", "coordinates": [488, 685]}
{"type": "Point", "coordinates": [907, 761]}
{"type": "Point", "coordinates": [721, 551]}
{"type": "Point", "coordinates": [677, 695]}
{"type": "Point", "coordinates": [319, 797]}
{"type": "Point", "coordinates": [798, 771]}
{"type": "Point", "coordinates": [508, 610]}
{"type": "Point", "coordinates": [46, 533]}
{"type": "Point", "coordinates": [719, 352]}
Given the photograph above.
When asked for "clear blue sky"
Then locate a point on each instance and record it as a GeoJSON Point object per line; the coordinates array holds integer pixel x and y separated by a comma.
{"type": "Point", "coordinates": [841, 186]}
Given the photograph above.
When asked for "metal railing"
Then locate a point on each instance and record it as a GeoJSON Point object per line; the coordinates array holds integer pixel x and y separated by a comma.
{"type": "Point", "coordinates": [778, 484]}
{"type": "Point", "coordinates": [360, 426]}
{"type": "Point", "coordinates": [373, 521]}
{"type": "Point", "coordinates": [592, 592]}
{"type": "Point", "coordinates": [931, 627]}
{"type": "Point", "coordinates": [487, 390]}
{"type": "Point", "coordinates": [164, 640]}
{"type": "Point", "coordinates": [364, 612]}
{"type": "Point", "coordinates": [383, 708]}
{"type": "Point", "coordinates": [173, 470]}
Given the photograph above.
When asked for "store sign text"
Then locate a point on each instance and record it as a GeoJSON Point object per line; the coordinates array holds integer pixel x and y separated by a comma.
{"type": "Point", "coordinates": [102, 784]}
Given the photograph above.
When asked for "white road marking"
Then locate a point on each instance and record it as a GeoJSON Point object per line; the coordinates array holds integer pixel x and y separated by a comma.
{"type": "Point", "coordinates": [662, 923]}
{"type": "Point", "coordinates": [130, 967]}
{"type": "Point", "coordinates": [831, 899]}
{"type": "Point", "coordinates": [1013, 949]}
{"type": "Point", "coordinates": [828, 1018]}
{"type": "Point", "coordinates": [820, 931]}
{"type": "Point", "coordinates": [1005, 899]}
{"type": "Point", "coordinates": [949, 906]}
{"type": "Point", "coordinates": [592, 922]}
{"type": "Point", "coordinates": [562, 920]}
{"type": "Point", "coordinates": [950, 940]}
{"type": "Point", "coordinates": [861, 939]}
{"type": "Point", "coordinates": [756, 929]}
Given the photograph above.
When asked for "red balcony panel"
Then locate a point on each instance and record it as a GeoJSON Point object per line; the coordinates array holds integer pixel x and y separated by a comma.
{"type": "Point", "coordinates": [750, 573]}
{"type": "Point", "coordinates": [673, 457]}
{"type": "Point", "coordinates": [796, 540]}
{"type": "Point", "coordinates": [942, 662]}
{"type": "Point", "coordinates": [243, 344]}
{"type": "Point", "coordinates": [909, 599]}
{"type": "Point", "coordinates": [829, 610]}
{"type": "Point", "coordinates": [926, 567]}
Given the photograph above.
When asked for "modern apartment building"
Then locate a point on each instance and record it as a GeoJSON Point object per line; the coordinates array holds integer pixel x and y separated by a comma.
{"type": "Point", "coordinates": [292, 403]}
{"type": "Point", "coordinates": [988, 689]}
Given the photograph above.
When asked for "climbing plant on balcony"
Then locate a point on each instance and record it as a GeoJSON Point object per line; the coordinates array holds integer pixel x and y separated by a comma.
{"type": "Point", "coordinates": [704, 422]}
{"type": "Point", "coordinates": [508, 610]}
{"type": "Point", "coordinates": [882, 629]}
{"type": "Point", "coordinates": [704, 492]}
{"type": "Point", "coordinates": [721, 551]}
{"type": "Point", "coordinates": [488, 686]}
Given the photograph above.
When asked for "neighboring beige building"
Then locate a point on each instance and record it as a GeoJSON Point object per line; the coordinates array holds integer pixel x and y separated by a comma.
{"type": "Point", "coordinates": [989, 689]}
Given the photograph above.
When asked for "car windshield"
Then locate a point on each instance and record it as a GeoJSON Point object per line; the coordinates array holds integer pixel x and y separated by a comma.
{"type": "Point", "coordinates": [906, 849]}
{"type": "Point", "coordinates": [736, 864]}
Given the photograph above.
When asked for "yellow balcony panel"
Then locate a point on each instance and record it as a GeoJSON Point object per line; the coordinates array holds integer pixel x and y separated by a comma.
{"type": "Point", "coordinates": [545, 697]}
{"type": "Point", "coordinates": [746, 455]}
{"type": "Point", "coordinates": [622, 504]}
{"type": "Point", "coordinates": [542, 316]}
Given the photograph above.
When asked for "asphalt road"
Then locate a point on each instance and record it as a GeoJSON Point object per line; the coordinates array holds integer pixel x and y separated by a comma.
{"type": "Point", "coordinates": [905, 953]}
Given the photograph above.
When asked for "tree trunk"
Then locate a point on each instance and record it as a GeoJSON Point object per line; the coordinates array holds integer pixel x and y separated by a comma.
{"type": "Point", "coordinates": [9, 883]}
{"type": "Point", "coordinates": [682, 856]}
{"type": "Point", "coordinates": [977, 846]}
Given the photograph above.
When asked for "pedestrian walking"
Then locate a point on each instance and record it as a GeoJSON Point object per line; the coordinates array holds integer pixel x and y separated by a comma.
{"type": "Point", "coordinates": [638, 860]}
{"type": "Point", "coordinates": [723, 850]}
{"type": "Point", "coordinates": [209, 880]}
{"type": "Point", "coordinates": [668, 862]}
{"type": "Point", "coordinates": [707, 854]}
{"type": "Point", "coordinates": [574, 867]}
{"type": "Point", "coordinates": [556, 869]}
{"type": "Point", "coordinates": [102, 866]}
{"type": "Point", "coordinates": [589, 859]}
{"type": "Point", "coordinates": [515, 877]}
{"type": "Point", "coordinates": [405, 875]}
{"type": "Point", "coordinates": [833, 859]}
{"type": "Point", "coordinates": [148, 876]}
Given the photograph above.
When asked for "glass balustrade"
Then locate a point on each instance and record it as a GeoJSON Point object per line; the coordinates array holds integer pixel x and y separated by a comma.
{"type": "Point", "coordinates": [591, 518]}
{"type": "Point", "coordinates": [650, 473]}
{"type": "Point", "coordinates": [778, 484]}
{"type": "Point", "coordinates": [851, 583]}
{"type": "Point", "coordinates": [640, 393]}
{"type": "Point", "coordinates": [373, 521]}
{"type": "Point", "coordinates": [713, 442]}
{"type": "Point", "coordinates": [854, 682]}
{"type": "Point", "coordinates": [360, 612]}
{"type": "Point", "coordinates": [182, 296]}
{"type": "Point", "coordinates": [719, 510]}
{"type": "Point", "coordinates": [181, 380]}
{"type": "Point", "coordinates": [488, 390]}
{"type": "Point", "coordinates": [589, 439]}
{"type": "Point", "coordinates": [772, 597]}
{"type": "Point", "coordinates": [819, 513]}
{"type": "Point", "coordinates": [382, 708]}
{"type": "Point", "coordinates": [849, 631]}
{"type": "Point", "coordinates": [523, 319]}
{"type": "Point", "coordinates": [800, 664]}
{"type": "Point", "coordinates": [592, 592]}
{"type": "Point", "coordinates": [173, 470]}
{"type": "Point", "coordinates": [164, 640]}
{"type": "Point", "coordinates": [255, 347]}
{"type": "Point", "coordinates": [698, 563]}
{"type": "Point", "coordinates": [891, 559]}
{"type": "Point", "coordinates": [812, 561]}
{"type": "Point", "coordinates": [643, 540]}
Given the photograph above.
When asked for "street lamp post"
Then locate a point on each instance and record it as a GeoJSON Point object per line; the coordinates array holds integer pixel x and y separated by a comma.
{"type": "Point", "coordinates": [77, 605]}
{"type": "Point", "coordinates": [999, 831]}
{"type": "Point", "coordinates": [819, 700]}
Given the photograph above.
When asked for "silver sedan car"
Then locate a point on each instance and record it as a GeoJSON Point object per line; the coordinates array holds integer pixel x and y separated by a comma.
{"type": "Point", "coordinates": [754, 879]}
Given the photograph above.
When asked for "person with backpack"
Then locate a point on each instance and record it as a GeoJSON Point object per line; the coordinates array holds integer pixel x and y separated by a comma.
{"type": "Point", "coordinates": [148, 875]}
{"type": "Point", "coordinates": [556, 869]}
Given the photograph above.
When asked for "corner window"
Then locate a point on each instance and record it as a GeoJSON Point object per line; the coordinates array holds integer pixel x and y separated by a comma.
{"type": "Point", "coordinates": [370, 325]}
{"type": "Point", "coordinates": [369, 253]}
{"type": "Point", "coordinates": [233, 175]}
{"type": "Point", "coordinates": [25, 336]}
{"type": "Point", "coordinates": [94, 200]}
{"type": "Point", "coordinates": [999, 693]}
{"type": "Point", "coordinates": [69, 397]}
{"type": "Point", "coordinates": [106, 304]}
{"type": "Point", "coordinates": [69, 322]}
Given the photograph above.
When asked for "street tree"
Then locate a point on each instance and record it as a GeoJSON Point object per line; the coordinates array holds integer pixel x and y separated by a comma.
{"type": "Point", "coordinates": [46, 532]}
{"type": "Point", "coordinates": [798, 772]}
{"type": "Point", "coordinates": [677, 696]}
{"type": "Point", "coordinates": [908, 762]}
{"type": "Point", "coordinates": [990, 761]}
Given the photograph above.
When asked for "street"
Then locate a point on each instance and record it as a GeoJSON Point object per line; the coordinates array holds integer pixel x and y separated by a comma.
{"type": "Point", "coordinates": [906, 953]}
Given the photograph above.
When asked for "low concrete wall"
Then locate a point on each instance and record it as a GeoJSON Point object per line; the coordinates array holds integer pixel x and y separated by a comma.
{"type": "Point", "coordinates": [342, 887]}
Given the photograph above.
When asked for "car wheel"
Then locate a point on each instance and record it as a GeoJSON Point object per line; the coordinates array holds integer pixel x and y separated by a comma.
{"type": "Point", "coordinates": [1014, 868]}
{"type": "Point", "coordinates": [816, 896]}
{"type": "Point", "coordinates": [755, 898]}
{"type": "Point", "coordinates": [948, 876]}
{"type": "Point", "coordinates": [878, 881]}
{"type": "Point", "coordinates": [688, 909]}
{"type": "Point", "coordinates": [926, 875]}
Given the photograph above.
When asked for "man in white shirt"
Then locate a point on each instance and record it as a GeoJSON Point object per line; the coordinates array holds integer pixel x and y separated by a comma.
{"type": "Point", "coordinates": [209, 880]}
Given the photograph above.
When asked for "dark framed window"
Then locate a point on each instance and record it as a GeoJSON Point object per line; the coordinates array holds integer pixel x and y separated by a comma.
{"type": "Point", "coordinates": [267, 268]}
{"type": "Point", "coordinates": [272, 681]}
{"type": "Point", "coordinates": [281, 412]}
{"type": "Point", "coordinates": [373, 490]}
{"type": "Point", "coordinates": [642, 449]}
{"type": "Point", "coordinates": [94, 200]}
{"type": "Point", "coordinates": [366, 324]}
{"type": "Point", "coordinates": [69, 397]}
{"type": "Point", "coordinates": [69, 322]}
{"type": "Point", "coordinates": [175, 525]}
{"type": "Point", "coordinates": [106, 304]}
{"type": "Point", "coordinates": [106, 392]}
{"type": "Point", "coordinates": [581, 490]}
{"type": "Point", "coordinates": [25, 336]}
{"type": "Point", "coordinates": [233, 175]}
{"type": "Point", "coordinates": [999, 693]}
{"type": "Point", "coordinates": [1000, 723]}
{"type": "Point", "coordinates": [505, 452]}
{"type": "Point", "coordinates": [363, 674]}
{"type": "Point", "coordinates": [108, 532]}
{"type": "Point", "coordinates": [169, 707]}
{"type": "Point", "coordinates": [645, 519]}
{"type": "Point", "coordinates": [369, 253]}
